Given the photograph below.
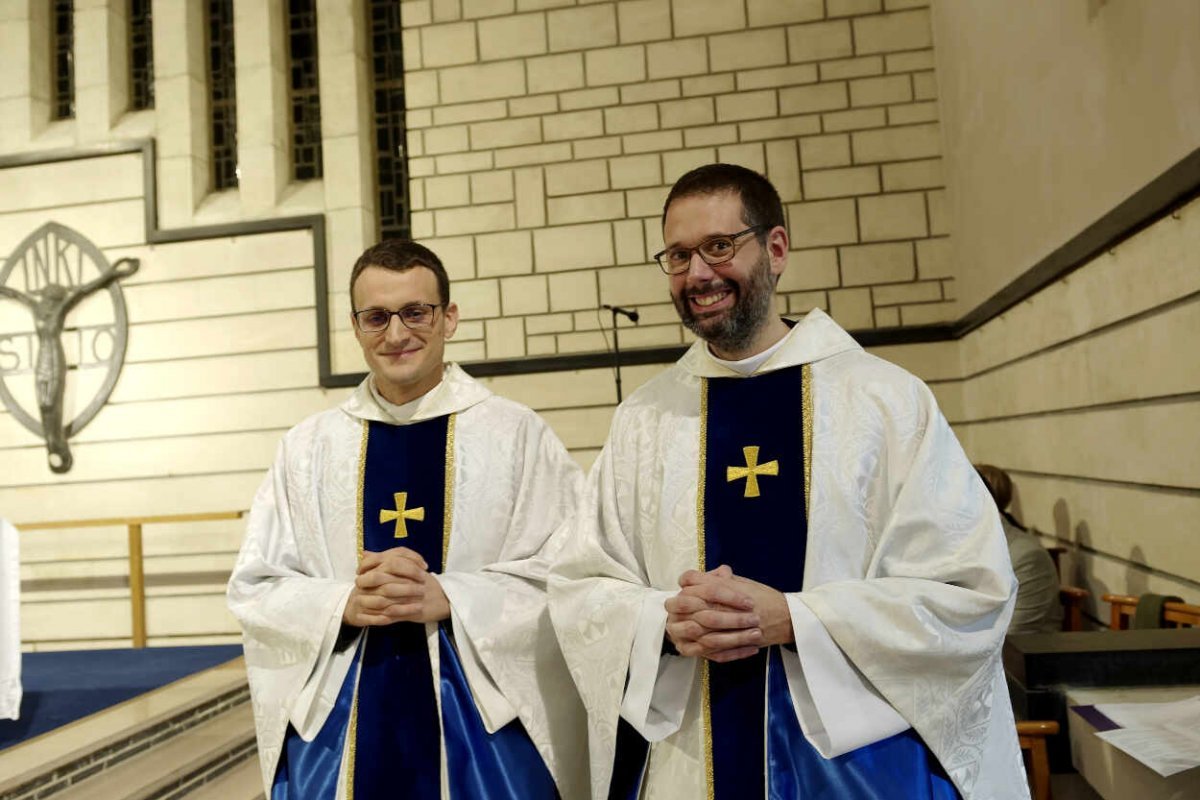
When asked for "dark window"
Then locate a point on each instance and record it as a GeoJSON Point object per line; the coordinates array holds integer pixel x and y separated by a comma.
{"type": "Point", "coordinates": [222, 87]}
{"type": "Point", "coordinates": [62, 32]}
{"type": "Point", "coordinates": [391, 160]}
{"type": "Point", "coordinates": [141, 55]}
{"type": "Point", "coordinates": [303, 89]}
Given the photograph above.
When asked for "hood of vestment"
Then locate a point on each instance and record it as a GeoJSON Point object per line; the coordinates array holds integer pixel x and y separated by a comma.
{"type": "Point", "coordinates": [457, 392]}
{"type": "Point", "coordinates": [814, 338]}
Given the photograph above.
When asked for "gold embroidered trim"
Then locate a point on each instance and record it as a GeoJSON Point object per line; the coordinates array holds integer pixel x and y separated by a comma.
{"type": "Point", "coordinates": [806, 423]}
{"type": "Point", "coordinates": [353, 734]}
{"type": "Point", "coordinates": [700, 479]}
{"type": "Point", "coordinates": [448, 506]}
{"type": "Point", "coordinates": [705, 706]}
{"type": "Point", "coordinates": [362, 479]}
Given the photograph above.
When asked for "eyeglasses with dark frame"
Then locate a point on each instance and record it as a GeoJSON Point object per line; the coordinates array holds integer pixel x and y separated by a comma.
{"type": "Point", "coordinates": [714, 250]}
{"type": "Point", "coordinates": [414, 316]}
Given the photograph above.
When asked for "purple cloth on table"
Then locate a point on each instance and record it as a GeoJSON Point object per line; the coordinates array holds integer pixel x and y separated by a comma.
{"type": "Point", "coordinates": [1095, 718]}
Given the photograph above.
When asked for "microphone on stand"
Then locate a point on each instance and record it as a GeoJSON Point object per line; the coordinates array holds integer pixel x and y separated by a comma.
{"type": "Point", "coordinates": [632, 315]}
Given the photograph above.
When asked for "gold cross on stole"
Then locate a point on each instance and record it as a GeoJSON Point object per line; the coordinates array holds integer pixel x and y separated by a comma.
{"type": "Point", "coordinates": [400, 514]}
{"type": "Point", "coordinates": [751, 471]}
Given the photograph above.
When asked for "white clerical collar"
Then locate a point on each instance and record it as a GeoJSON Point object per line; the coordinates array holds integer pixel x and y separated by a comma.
{"type": "Point", "coordinates": [400, 413]}
{"type": "Point", "coordinates": [748, 366]}
{"type": "Point", "coordinates": [456, 392]}
{"type": "Point", "coordinates": [812, 339]}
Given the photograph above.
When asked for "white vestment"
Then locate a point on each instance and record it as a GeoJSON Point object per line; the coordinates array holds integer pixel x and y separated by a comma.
{"type": "Point", "coordinates": [907, 584]}
{"type": "Point", "coordinates": [10, 622]}
{"type": "Point", "coordinates": [514, 492]}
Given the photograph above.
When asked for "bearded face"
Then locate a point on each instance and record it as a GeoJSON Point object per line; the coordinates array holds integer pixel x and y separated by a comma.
{"type": "Point", "coordinates": [729, 311]}
{"type": "Point", "coordinates": [728, 304]}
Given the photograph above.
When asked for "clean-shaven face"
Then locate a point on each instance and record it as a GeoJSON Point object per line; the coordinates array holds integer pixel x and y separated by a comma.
{"type": "Point", "coordinates": [406, 363]}
{"type": "Point", "coordinates": [728, 304]}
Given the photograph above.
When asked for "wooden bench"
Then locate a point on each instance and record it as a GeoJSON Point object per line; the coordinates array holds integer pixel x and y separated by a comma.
{"type": "Point", "coordinates": [1175, 614]}
{"type": "Point", "coordinates": [1073, 599]}
{"type": "Point", "coordinates": [1031, 735]}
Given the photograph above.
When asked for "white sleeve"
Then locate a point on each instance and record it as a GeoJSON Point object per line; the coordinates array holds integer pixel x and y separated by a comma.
{"type": "Point", "coordinates": [474, 600]}
{"type": "Point", "coordinates": [657, 692]}
{"type": "Point", "coordinates": [838, 709]}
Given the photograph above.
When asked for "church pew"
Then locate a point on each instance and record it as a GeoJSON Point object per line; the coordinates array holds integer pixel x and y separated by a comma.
{"type": "Point", "coordinates": [1073, 599]}
{"type": "Point", "coordinates": [1031, 735]}
{"type": "Point", "coordinates": [1123, 607]}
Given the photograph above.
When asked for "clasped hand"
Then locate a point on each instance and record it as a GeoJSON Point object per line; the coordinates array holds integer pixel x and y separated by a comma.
{"type": "Point", "coordinates": [722, 617]}
{"type": "Point", "coordinates": [395, 586]}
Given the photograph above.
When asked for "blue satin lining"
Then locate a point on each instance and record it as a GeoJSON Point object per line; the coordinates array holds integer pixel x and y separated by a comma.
{"type": "Point", "coordinates": [482, 766]}
{"type": "Point", "coordinates": [899, 766]}
{"type": "Point", "coordinates": [500, 766]}
{"type": "Point", "coordinates": [309, 770]}
{"type": "Point", "coordinates": [397, 743]}
{"type": "Point", "coordinates": [397, 747]}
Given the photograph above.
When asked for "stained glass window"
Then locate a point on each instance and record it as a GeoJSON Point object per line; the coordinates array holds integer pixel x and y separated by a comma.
{"type": "Point", "coordinates": [222, 87]}
{"type": "Point", "coordinates": [141, 55]}
{"type": "Point", "coordinates": [62, 27]}
{"type": "Point", "coordinates": [391, 160]}
{"type": "Point", "coordinates": [303, 90]}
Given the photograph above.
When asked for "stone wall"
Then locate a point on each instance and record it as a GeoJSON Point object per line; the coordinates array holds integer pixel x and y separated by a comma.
{"type": "Point", "coordinates": [543, 137]}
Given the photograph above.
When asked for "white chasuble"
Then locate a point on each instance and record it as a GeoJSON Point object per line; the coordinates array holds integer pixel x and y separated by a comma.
{"type": "Point", "coordinates": [905, 595]}
{"type": "Point", "coordinates": [514, 489]}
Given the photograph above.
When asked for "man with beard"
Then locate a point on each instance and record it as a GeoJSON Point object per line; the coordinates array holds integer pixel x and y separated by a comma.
{"type": "Point", "coordinates": [788, 580]}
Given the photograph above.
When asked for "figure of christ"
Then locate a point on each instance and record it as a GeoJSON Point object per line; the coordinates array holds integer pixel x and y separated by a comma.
{"type": "Point", "coordinates": [50, 306]}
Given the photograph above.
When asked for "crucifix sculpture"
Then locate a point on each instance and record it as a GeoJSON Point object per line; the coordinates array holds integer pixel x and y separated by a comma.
{"type": "Point", "coordinates": [50, 305]}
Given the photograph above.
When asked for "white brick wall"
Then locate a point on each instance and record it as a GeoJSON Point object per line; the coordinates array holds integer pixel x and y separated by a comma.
{"type": "Point", "coordinates": [604, 104]}
{"type": "Point", "coordinates": [544, 136]}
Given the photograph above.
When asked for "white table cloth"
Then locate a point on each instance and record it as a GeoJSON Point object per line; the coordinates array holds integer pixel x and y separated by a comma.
{"type": "Point", "coordinates": [10, 622]}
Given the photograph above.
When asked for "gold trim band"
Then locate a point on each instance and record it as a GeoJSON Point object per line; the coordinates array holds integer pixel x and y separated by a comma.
{"type": "Point", "coordinates": [448, 498]}
{"type": "Point", "coordinates": [705, 699]}
{"type": "Point", "coordinates": [806, 423]}
{"type": "Point", "coordinates": [362, 479]}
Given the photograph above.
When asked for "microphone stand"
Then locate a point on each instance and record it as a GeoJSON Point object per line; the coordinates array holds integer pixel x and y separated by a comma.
{"type": "Point", "coordinates": [633, 317]}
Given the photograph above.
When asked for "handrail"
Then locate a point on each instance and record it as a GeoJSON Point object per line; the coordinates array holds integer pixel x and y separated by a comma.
{"type": "Point", "coordinates": [137, 572]}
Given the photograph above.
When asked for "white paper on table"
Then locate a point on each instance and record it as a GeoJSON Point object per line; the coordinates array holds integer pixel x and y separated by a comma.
{"type": "Point", "coordinates": [1166, 749]}
{"type": "Point", "coordinates": [1141, 715]}
{"type": "Point", "coordinates": [1163, 736]}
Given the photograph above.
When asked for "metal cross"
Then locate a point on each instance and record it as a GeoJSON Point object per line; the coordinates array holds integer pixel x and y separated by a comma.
{"type": "Point", "coordinates": [400, 514]}
{"type": "Point", "coordinates": [751, 471]}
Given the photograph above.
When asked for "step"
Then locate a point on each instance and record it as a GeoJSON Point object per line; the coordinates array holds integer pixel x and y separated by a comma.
{"type": "Point", "coordinates": [243, 782]}
{"type": "Point", "coordinates": [72, 752]}
{"type": "Point", "coordinates": [175, 767]}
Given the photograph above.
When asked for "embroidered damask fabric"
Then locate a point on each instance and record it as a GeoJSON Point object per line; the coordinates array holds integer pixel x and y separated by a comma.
{"type": "Point", "coordinates": [906, 589]}
{"type": "Point", "coordinates": [513, 490]}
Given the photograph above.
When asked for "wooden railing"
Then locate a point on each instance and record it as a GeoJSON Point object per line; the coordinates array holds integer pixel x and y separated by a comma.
{"type": "Point", "coordinates": [1123, 608]}
{"type": "Point", "coordinates": [137, 570]}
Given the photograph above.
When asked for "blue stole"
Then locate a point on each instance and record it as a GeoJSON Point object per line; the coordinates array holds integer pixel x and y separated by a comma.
{"type": "Point", "coordinates": [387, 704]}
{"type": "Point", "coordinates": [752, 514]}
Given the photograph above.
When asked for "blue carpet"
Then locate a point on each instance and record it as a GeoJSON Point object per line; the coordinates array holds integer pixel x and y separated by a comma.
{"type": "Point", "coordinates": [65, 686]}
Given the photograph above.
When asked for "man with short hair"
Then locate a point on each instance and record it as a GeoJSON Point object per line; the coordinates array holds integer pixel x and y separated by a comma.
{"type": "Point", "coordinates": [788, 579]}
{"type": "Point", "coordinates": [391, 587]}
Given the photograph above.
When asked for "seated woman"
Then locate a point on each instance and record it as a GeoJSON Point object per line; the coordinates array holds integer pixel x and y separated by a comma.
{"type": "Point", "coordinates": [1038, 609]}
